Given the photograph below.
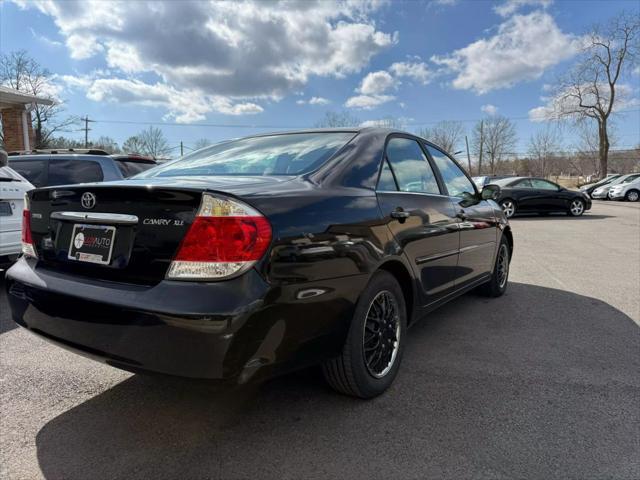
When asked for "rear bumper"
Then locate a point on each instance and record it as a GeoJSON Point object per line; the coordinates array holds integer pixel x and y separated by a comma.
{"type": "Point", "coordinates": [234, 330]}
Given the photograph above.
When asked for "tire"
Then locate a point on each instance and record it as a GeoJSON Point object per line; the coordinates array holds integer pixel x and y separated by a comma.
{"type": "Point", "coordinates": [632, 196]}
{"type": "Point", "coordinates": [350, 373]}
{"type": "Point", "coordinates": [508, 207]}
{"type": "Point", "coordinates": [497, 285]}
{"type": "Point", "coordinates": [576, 208]}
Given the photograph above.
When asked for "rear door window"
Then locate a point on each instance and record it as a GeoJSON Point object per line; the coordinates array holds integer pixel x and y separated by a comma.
{"type": "Point", "coordinates": [386, 182]}
{"type": "Point", "coordinates": [131, 168]}
{"type": "Point", "coordinates": [410, 166]}
{"type": "Point", "coordinates": [33, 170]}
{"type": "Point", "coordinates": [62, 172]}
{"type": "Point", "coordinates": [458, 184]}
{"type": "Point", "coordinates": [543, 184]}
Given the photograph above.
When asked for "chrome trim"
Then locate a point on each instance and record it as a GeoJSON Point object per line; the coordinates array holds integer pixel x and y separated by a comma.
{"type": "Point", "coordinates": [437, 256]}
{"type": "Point", "coordinates": [95, 217]}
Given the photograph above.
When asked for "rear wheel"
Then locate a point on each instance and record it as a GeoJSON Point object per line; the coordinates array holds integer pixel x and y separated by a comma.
{"type": "Point", "coordinates": [508, 207]}
{"type": "Point", "coordinates": [500, 277]}
{"type": "Point", "coordinates": [576, 208]}
{"type": "Point", "coordinates": [371, 355]}
{"type": "Point", "coordinates": [632, 196]}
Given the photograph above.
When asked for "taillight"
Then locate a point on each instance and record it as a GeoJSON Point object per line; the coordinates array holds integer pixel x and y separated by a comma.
{"type": "Point", "coordinates": [27, 239]}
{"type": "Point", "coordinates": [226, 238]}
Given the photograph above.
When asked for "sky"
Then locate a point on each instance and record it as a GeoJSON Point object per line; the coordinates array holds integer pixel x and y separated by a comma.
{"type": "Point", "coordinates": [255, 66]}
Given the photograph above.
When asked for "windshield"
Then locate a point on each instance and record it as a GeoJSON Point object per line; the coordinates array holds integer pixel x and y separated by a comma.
{"type": "Point", "coordinates": [287, 154]}
{"type": "Point", "coordinates": [630, 179]}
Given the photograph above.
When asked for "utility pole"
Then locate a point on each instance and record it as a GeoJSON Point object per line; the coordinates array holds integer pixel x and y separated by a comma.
{"type": "Point", "coordinates": [481, 146]}
{"type": "Point", "coordinates": [181, 149]}
{"type": "Point", "coordinates": [466, 140]}
{"type": "Point", "coordinates": [86, 131]}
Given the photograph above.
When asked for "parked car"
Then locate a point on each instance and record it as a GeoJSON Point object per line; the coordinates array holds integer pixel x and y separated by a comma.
{"type": "Point", "coordinates": [12, 190]}
{"type": "Point", "coordinates": [628, 190]}
{"type": "Point", "coordinates": [602, 192]}
{"type": "Point", "coordinates": [589, 188]}
{"type": "Point", "coordinates": [483, 180]}
{"type": "Point", "coordinates": [537, 195]}
{"type": "Point", "coordinates": [64, 167]}
{"type": "Point", "coordinates": [261, 255]}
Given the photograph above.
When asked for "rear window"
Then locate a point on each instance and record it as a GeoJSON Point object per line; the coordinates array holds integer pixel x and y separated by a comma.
{"type": "Point", "coordinates": [288, 154]}
{"type": "Point", "coordinates": [62, 172]}
{"type": "Point", "coordinates": [129, 168]}
{"type": "Point", "coordinates": [33, 170]}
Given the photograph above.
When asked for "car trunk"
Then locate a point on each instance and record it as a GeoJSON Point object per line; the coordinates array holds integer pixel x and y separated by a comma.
{"type": "Point", "coordinates": [143, 227]}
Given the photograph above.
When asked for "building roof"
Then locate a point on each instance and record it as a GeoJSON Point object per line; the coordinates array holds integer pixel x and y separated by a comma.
{"type": "Point", "coordinates": [10, 97]}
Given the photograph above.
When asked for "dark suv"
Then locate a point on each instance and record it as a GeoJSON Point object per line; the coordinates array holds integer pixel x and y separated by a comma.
{"type": "Point", "coordinates": [45, 168]}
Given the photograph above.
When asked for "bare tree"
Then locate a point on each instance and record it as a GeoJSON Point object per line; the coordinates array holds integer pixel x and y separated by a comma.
{"type": "Point", "coordinates": [445, 134]}
{"type": "Point", "coordinates": [543, 146]}
{"type": "Point", "coordinates": [106, 143]}
{"type": "Point", "coordinates": [133, 145]}
{"type": "Point", "coordinates": [337, 120]}
{"type": "Point", "coordinates": [201, 143]}
{"type": "Point", "coordinates": [154, 142]}
{"type": "Point", "coordinates": [591, 90]}
{"type": "Point", "coordinates": [386, 122]}
{"type": "Point", "coordinates": [493, 138]}
{"type": "Point", "coordinates": [23, 73]}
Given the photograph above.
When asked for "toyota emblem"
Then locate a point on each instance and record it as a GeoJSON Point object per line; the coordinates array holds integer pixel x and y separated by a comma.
{"type": "Point", "coordinates": [88, 200]}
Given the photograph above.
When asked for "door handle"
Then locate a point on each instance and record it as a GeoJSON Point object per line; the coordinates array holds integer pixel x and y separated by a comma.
{"type": "Point", "coordinates": [462, 215]}
{"type": "Point", "coordinates": [400, 214]}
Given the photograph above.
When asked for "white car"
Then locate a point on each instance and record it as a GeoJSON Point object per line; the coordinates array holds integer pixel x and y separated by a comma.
{"type": "Point", "coordinates": [12, 189]}
{"type": "Point", "coordinates": [603, 191]}
{"type": "Point", "coordinates": [628, 190]}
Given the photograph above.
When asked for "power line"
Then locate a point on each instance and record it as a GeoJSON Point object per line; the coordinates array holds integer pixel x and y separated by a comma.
{"type": "Point", "coordinates": [273, 126]}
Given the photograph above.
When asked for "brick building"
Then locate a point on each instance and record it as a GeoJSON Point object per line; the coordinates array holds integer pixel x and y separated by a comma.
{"type": "Point", "coordinates": [15, 110]}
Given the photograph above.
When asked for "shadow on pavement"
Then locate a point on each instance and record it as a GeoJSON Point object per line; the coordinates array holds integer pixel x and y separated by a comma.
{"type": "Point", "coordinates": [540, 383]}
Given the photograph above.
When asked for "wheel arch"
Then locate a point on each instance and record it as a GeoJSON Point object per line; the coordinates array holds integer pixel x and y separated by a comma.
{"type": "Point", "coordinates": [509, 236]}
{"type": "Point", "coordinates": [405, 280]}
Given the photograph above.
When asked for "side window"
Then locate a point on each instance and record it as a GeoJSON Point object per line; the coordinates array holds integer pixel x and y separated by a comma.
{"type": "Point", "coordinates": [33, 170]}
{"type": "Point", "coordinates": [543, 184]}
{"type": "Point", "coordinates": [526, 183]}
{"type": "Point", "coordinates": [411, 167]}
{"type": "Point", "coordinates": [62, 172]}
{"type": "Point", "coordinates": [454, 178]}
{"type": "Point", "coordinates": [386, 181]}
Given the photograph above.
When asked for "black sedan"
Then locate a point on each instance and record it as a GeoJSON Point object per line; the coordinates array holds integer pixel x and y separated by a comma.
{"type": "Point", "coordinates": [261, 255]}
{"type": "Point", "coordinates": [537, 195]}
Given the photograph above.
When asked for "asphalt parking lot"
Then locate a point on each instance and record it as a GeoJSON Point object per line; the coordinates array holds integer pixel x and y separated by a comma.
{"type": "Point", "coordinates": [541, 383]}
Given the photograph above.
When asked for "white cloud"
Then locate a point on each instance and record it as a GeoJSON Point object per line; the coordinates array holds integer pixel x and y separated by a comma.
{"type": "Point", "coordinates": [367, 102]}
{"type": "Point", "coordinates": [417, 71]}
{"type": "Point", "coordinates": [219, 49]}
{"type": "Point", "coordinates": [489, 109]}
{"type": "Point", "coordinates": [46, 40]}
{"type": "Point", "coordinates": [522, 49]}
{"type": "Point", "coordinates": [509, 7]}
{"type": "Point", "coordinates": [319, 101]}
{"type": "Point", "coordinates": [376, 83]}
{"type": "Point", "coordinates": [314, 101]}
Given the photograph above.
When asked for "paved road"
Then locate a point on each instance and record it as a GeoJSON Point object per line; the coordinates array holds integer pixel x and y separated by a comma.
{"type": "Point", "coordinates": [541, 383]}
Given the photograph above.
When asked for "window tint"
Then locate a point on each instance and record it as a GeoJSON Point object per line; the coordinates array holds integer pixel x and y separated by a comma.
{"type": "Point", "coordinates": [454, 178]}
{"type": "Point", "coordinates": [33, 170]}
{"type": "Point", "coordinates": [129, 169]}
{"type": "Point", "coordinates": [630, 179]}
{"type": "Point", "coordinates": [410, 166]}
{"type": "Point", "coordinates": [386, 181]}
{"type": "Point", "coordinates": [526, 183]}
{"type": "Point", "coordinates": [543, 184]}
{"type": "Point", "coordinates": [287, 154]}
{"type": "Point", "coordinates": [63, 172]}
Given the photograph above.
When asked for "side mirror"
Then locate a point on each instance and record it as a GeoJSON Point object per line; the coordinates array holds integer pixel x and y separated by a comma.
{"type": "Point", "coordinates": [490, 192]}
{"type": "Point", "coordinates": [4, 158]}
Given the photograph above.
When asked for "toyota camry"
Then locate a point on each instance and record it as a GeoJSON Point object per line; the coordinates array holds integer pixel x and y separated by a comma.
{"type": "Point", "coordinates": [261, 255]}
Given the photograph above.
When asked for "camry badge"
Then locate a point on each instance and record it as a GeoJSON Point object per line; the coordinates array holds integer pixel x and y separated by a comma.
{"type": "Point", "coordinates": [88, 200]}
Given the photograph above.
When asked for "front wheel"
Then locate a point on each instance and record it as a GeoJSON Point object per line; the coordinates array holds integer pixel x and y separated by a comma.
{"type": "Point", "coordinates": [371, 355]}
{"type": "Point", "coordinates": [632, 196]}
{"type": "Point", "coordinates": [500, 277]}
{"type": "Point", "coordinates": [576, 208]}
{"type": "Point", "coordinates": [508, 207]}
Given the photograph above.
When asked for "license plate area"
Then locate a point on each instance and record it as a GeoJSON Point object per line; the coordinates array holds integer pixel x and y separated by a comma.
{"type": "Point", "coordinates": [92, 243]}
